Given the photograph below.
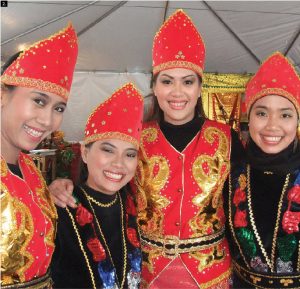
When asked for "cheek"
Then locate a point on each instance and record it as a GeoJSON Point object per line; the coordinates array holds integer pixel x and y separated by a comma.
{"type": "Point", "coordinates": [57, 120]}
{"type": "Point", "coordinates": [132, 167]}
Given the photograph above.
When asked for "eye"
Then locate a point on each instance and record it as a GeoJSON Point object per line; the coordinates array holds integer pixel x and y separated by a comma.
{"type": "Point", "coordinates": [60, 109]}
{"type": "Point", "coordinates": [287, 115]}
{"type": "Point", "coordinates": [166, 81]}
{"type": "Point", "coordinates": [261, 113]}
{"type": "Point", "coordinates": [107, 150]}
{"type": "Point", "coordinates": [132, 154]}
{"type": "Point", "coordinates": [39, 101]}
{"type": "Point", "coordinates": [189, 82]}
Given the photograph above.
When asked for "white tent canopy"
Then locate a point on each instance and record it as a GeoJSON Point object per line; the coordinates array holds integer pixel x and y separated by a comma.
{"type": "Point", "coordinates": [115, 40]}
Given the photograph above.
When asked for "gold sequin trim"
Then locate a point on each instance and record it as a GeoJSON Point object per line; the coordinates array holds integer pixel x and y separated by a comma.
{"type": "Point", "coordinates": [221, 278]}
{"type": "Point", "coordinates": [36, 83]}
{"type": "Point", "coordinates": [112, 134]}
{"type": "Point", "coordinates": [178, 63]}
{"type": "Point", "coordinates": [276, 91]}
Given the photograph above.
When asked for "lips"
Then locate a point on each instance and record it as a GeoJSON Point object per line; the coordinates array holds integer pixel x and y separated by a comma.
{"type": "Point", "coordinates": [116, 177]}
{"type": "Point", "coordinates": [34, 133]}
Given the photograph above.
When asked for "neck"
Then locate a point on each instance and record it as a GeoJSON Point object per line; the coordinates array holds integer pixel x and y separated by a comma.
{"type": "Point", "coordinates": [9, 152]}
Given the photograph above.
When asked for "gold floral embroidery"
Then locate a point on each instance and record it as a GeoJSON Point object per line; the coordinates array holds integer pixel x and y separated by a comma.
{"type": "Point", "coordinates": [210, 173]}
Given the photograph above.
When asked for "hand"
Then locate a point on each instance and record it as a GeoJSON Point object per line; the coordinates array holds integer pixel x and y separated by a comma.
{"type": "Point", "coordinates": [61, 193]}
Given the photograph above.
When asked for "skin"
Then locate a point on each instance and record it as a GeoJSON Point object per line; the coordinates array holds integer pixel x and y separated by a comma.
{"type": "Point", "coordinates": [28, 116]}
{"type": "Point", "coordinates": [111, 164]}
{"type": "Point", "coordinates": [273, 122]}
{"type": "Point", "coordinates": [177, 91]}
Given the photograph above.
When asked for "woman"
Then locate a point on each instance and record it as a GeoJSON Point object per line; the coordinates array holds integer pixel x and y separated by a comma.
{"type": "Point", "coordinates": [264, 196]}
{"type": "Point", "coordinates": [184, 161]}
{"type": "Point", "coordinates": [97, 243]}
{"type": "Point", "coordinates": [34, 92]}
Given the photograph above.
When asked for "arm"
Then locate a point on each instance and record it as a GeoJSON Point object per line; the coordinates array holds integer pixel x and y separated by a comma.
{"type": "Point", "coordinates": [61, 192]}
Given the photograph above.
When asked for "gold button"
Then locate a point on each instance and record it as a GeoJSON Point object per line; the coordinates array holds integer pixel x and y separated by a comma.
{"type": "Point", "coordinates": [180, 157]}
{"type": "Point", "coordinates": [177, 224]}
{"type": "Point", "coordinates": [179, 190]}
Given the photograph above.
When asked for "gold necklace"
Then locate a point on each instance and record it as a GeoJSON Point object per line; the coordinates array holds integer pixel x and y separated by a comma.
{"type": "Point", "coordinates": [269, 262]}
{"type": "Point", "coordinates": [104, 240]}
{"type": "Point", "coordinates": [82, 248]}
{"type": "Point", "coordinates": [106, 205]}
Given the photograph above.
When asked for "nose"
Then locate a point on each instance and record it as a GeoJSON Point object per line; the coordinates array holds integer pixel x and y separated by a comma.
{"type": "Point", "coordinates": [272, 122]}
{"type": "Point", "coordinates": [45, 117]}
{"type": "Point", "coordinates": [177, 89]}
{"type": "Point", "coordinates": [118, 161]}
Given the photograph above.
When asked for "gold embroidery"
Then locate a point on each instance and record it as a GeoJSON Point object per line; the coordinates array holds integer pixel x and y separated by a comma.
{"type": "Point", "coordinates": [108, 135]}
{"type": "Point", "coordinates": [221, 282]}
{"type": "Point", "coordinates": [209, 257]}
{"type": "Point", "coordinates": [210, 173]}
{"type": "Point", "coordinates": [37, 83]}
{"type": "Point", "coordinates": [178, 63]}
{"type": "Point", "coordinates": [152, 175]}
{"type": "Point", "coordinates": [149, 255]}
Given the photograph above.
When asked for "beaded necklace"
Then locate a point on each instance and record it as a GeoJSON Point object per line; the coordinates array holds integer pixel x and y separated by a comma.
{"type": "Point", "coordinates": [240, 229]}
{"type": "Point", "coordinates": [88, 220]}
{"type": "Point", "coordinates": [104, 240]}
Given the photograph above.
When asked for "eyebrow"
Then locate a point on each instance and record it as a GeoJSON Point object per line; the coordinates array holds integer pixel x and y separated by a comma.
{"type": "Point", "coordinates": [190, 75]}
{"type": "Point", "coordinates": [265, 107]}
{"type": "Point", "coordinates": [109, 144]}
{"type": "Point", "coordinates": [46, 96]}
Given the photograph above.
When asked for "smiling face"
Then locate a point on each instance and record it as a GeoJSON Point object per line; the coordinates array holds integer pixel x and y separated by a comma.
{"type": "Point", "coordinates": [273, 123]}
{"type": "Point", "coordinates": [111, 164]}
{"type": "Point", "coordinates": [28, 116]}
{"type": "Point", "coordinates": [177, 91]}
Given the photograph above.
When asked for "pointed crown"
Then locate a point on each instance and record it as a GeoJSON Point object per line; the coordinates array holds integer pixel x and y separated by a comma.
{"type": "Point", "coordinates": [275, 76]}
{"type": "Point", "coordinates": [120, 116]}
{"type": "Point", "coordinates": [47, 65]}
{"type": "Point", "coordinates": [178, 44]}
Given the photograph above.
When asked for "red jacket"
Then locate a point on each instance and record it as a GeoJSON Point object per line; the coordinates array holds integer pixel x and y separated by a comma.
{"type": "Point", "coordinates": [179, 195]}
{"type": "Point", "coordinates": [28, 219]}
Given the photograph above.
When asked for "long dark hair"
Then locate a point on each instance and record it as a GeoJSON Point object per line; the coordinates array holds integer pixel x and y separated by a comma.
{"type": "Point", "coordinates": [153, 110]}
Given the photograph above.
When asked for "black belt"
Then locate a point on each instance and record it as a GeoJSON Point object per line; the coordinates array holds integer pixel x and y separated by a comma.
{"type": "Point", "coordinates": [260, 280]}
{"type": "Point", "coordinates": [44, 282]}
{"type": "Point", "coordinates": [172, 246]}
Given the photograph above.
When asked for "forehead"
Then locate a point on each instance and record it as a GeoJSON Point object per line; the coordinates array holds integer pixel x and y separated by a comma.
{"type": "Point", "coordinates": [274, 102]}
{"type": "Point", "coordinates": [178, 72]}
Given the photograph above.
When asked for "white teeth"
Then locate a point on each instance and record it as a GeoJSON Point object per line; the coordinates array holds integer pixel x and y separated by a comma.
{"type": "Point", "coordinates": [177, 104]}
{"type": "Point", "coordinates": [272, 138]}
{"type": "Point", "coordinates": [33, 132]}
{"type": "Point", "coordinates": [113, 175]}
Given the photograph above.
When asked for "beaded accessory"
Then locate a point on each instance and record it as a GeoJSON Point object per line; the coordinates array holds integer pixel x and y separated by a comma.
{"type": "Point", "coordinates": [244, 231]}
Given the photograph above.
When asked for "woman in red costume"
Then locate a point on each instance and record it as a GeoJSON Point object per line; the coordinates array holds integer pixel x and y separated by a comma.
{"type": "Point", "coordinates": [34, 92]}
{"type": "Point", "coordinates": [184, 162]}
{"type": "Point", "coordinates": [264, 190]}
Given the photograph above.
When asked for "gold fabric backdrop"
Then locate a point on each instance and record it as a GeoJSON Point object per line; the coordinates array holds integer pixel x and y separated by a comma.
{"type": "Point", "coordinates": [222, 95]}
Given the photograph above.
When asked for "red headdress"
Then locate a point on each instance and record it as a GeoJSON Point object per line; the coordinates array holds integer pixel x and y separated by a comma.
{"type": "Point", "coordinates": [275, 76]}
{"type": "Point", "coordinates": [178, 44]}
{"type": "Point", "coordinates": [47, 65]}
{"type": "Point", "coordinates": [120, 116]}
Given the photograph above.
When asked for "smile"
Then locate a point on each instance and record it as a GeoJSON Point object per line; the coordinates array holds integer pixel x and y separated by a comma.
{"type": "Point", "coordinates": [177, 104]}
{"type": "Point", "coordinates": [272, 139]}
{"type": "Point", "coordinates": [113, 176]}
{"type": "Point", "coordinates": [33, 132]}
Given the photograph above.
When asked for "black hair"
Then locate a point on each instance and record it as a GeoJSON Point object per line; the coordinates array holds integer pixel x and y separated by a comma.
{"type": "Point", "coordinates": [155, 112]}
{"type": "Point", "coordinates": [5, 66]}
{"type": "Point", "coordinates": [84, 173]}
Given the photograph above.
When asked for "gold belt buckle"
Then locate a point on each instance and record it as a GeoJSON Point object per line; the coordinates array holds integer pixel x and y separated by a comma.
{"type": "Point", "coordinates": [170, 240]}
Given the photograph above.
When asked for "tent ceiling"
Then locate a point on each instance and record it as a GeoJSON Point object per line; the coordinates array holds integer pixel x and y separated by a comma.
{"type": "Point", "coordinates": [117, 36]}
